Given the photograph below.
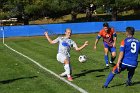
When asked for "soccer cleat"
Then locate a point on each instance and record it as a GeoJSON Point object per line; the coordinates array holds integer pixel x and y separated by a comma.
{"type": "Point", "coordinates": [110, 62]}
{"type": "Point", "coordinates": [107, 66]}
{"type": "Point", "coordinates": [129, 83]}
{"type": "Point", "coordinates": [104, 86]}
{"type": "Point", "coordinates": [70, 78]}
{"type": "Point", "coordinates": [63, 74]}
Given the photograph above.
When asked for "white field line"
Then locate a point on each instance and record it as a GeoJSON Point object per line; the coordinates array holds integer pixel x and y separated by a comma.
{"type": "Point", "coordinates": [39, 65]}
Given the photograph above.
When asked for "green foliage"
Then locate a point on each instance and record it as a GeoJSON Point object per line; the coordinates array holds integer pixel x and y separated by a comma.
{"type": "Point", "coordinates": [57, 8]}
{"type": "Point", "coordinates": [32, 9]}
{"type": "Point", "coordinates": [5, 15]}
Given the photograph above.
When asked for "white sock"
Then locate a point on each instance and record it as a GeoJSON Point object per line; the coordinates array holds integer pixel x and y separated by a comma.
{"type": "Point", "coordinates": [67, 69]}
{"type": "Point", "coordinates": [63, 74]}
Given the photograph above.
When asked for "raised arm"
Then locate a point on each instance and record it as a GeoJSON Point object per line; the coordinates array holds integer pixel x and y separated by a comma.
{"type": "Point", "coordinates": [49, 39]}
{"type": "Point", "coordinates": [81, 47]}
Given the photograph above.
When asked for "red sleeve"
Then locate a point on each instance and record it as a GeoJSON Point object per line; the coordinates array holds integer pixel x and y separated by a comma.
{"type": "Point", "coordinates": [100, 33]}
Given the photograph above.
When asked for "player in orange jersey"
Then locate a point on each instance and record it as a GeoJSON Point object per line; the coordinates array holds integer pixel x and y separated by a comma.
{"type": "Point", "coordinates": [109, 40]}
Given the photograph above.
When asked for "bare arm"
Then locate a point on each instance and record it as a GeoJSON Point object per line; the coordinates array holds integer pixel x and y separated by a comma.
{"type": "Point", "coordinates": [96, 42]}
{"type": "Point", "coordinates": [115, 39]}
{"type": "Point", "coordinates": [119, 59]}
{"type": "Point", "coordinates": [83, 46]}
{"type": "Point", "coordinates": [48, 38]}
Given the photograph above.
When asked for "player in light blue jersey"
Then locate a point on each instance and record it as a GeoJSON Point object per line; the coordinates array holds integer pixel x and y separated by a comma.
{"type": "Point", "coordinates": [65, 44]}
{"type": "Point", "coordinates": [129, 50]}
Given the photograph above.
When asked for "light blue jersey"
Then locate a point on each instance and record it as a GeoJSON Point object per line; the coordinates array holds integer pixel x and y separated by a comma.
{"type": "Point", "coordinates": [65, 45]}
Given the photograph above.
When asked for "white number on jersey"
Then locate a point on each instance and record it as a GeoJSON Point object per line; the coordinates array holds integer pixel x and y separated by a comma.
{"type": "Point", "coordinates": [133, 47]}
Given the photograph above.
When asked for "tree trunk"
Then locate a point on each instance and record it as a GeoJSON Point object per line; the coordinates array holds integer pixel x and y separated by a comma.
{"type": "Point", "coordinates": [114, 14]}
{"type": "Point", "coordinates": [73, 15]}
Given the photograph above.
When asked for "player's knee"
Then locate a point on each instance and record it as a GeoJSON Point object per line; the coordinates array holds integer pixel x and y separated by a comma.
{"type": "Point", "coordinates": [113, 73]}
{"type": "Point", "coordinates": [66, 61]}
{"type": "Point", "coordinates": [115, 70]}
{"type": "Point", "coordinates": [106, 52]}
{"type": "Point", "coordinates": [113, 55]}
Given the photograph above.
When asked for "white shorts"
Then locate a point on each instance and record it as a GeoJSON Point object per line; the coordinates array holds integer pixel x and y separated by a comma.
{"type": "Point", "coordinates": [61, 57]}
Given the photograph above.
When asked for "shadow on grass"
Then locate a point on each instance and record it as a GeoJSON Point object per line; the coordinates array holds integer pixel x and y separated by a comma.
{"type": "Point", "coordinates": [112, 64]}
{"type": "Point", "coordinates": [84, 72]}
{"type": "Point", "coordinates": [13, 80]}
{"type": "Point", "coordinates": [134, 83]}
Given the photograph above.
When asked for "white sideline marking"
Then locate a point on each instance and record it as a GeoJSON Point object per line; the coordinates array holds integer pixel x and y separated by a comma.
{"type": "Point", "coordinates": [35, 62]}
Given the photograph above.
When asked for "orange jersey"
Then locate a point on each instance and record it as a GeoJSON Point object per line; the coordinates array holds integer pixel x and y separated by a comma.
{"type": "Point", "coordinates": [122, 43]}
{"type": "Point", "coordinates": [107, 36]}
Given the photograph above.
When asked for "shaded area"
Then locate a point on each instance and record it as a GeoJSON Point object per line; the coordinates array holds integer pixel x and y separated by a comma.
{"type": "Point", "coordinates": [134, 83]}
{"type": "Point", "coordinates": [84, 72]}
{"type": "Point", "coordinates": [112, 64]}
{"type": "Point", "coordinates": [13, 80]}
{"type": "Point", "coordinates": [100, 76]}
{"type": "Point", "coordinates": [100, 18]}
{"type": "Point", "coordinates": [117, 85]}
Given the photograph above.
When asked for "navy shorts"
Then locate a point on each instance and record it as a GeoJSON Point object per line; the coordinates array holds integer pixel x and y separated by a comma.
{"type": "Point", "coordinates": [122, 68]}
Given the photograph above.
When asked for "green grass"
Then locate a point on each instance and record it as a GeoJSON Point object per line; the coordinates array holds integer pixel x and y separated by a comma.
{"type": "Point", "coordinates": [19, 75]}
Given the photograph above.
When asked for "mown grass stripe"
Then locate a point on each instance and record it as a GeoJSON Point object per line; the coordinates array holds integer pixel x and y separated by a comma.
{"type": "Point", "coordinates": [35, 62]}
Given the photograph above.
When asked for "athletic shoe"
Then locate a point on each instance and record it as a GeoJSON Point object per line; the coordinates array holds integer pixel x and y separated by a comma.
{"type": "Point", "coordinates": [63, 74]}
{"type": "Point", "coordinates": [70, 78]}
{"type": "Point", "coordinates": [128, 83]}
{"type": "Point", "coordinates": [104, 86]}
{"type": "Point", "coordinates": [107, 66]}
{"type": "Point", "coordinates": [110, 62]}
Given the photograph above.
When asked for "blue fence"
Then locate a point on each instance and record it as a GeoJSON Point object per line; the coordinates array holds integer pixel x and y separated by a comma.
{"type": "Point", "coordinates": [87, 27]}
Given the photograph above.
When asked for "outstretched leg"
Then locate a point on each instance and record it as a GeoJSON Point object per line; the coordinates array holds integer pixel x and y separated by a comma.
{"type": "Point", "coordinates": [67, 69]}
{"type": "Point", "coordinates": [131, 71]}
{"type": "Point", "coordinates": [111, 76]}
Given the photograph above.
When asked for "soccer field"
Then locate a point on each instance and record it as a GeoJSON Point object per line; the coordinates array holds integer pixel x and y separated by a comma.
{"type": "Point", "coordinates": [20, 75]}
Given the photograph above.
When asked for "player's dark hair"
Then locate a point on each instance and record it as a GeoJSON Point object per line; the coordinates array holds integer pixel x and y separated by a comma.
{"type": "Point", "coordinates": [130, 30]}
{"type": "Point", "coordinates": [105, 24]}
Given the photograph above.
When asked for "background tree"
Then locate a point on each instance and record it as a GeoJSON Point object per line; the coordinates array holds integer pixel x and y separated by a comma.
{"type": "Point", "coordinates": [118, 6]}
{"type": "Point", "coordinates": [35, 9]}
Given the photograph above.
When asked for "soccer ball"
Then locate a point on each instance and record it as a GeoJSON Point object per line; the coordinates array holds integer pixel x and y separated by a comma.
{"type": "Point", "coordinates": [82, 58]}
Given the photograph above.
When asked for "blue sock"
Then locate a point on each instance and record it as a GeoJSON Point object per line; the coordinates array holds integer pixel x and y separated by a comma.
{"type": "Point", "coordinates": [109, 78]}
{"type": "Point", "coordinates": [106, 58]}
